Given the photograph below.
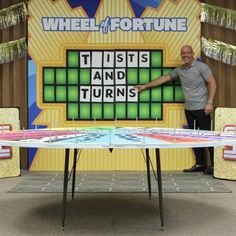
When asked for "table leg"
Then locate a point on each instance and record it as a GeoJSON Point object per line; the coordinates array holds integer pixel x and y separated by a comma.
{"type": "Point", "coordinates": [67, 156]}
{"type": "Point", "coordinates": [74, 172]}
{"type": "Point", "coordinates": [148, 172]}
{"type": "Point", "coordinates": [159, 181]}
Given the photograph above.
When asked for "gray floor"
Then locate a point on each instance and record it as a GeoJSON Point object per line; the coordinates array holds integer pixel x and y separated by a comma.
{"type": "Point", "coordinates": [120, 181]}
{"type": "Point", "coordinates": [208, 213]}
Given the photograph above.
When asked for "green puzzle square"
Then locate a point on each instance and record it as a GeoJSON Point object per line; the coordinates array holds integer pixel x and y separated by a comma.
{"type": "Point", "coordinates": [132, 76]}
{"type": "Point", "coordinates": [60, 76]}
{"type": "Point", "coordinates": [120, 110]}
{"type": "Point", "coordinates": [73, 94]}
{"type": "Point", "coordinates": [48, 95]}
{"type": "Point", "coordinates": [155, 73]}
{"type": "Point", "coordinates": [108, 111]}
{"type": "Point", "coordinates": [73, 58]}
{"type": "Point", "coordinates": [61, 93]}
{"type": "Point", "coordinates": [73, 76]}
{"type": "Point", "coordinates": [84, 109]}
{"type": "Point", "coordinates": [84, 76]}
{"type": "Point", "coordinates": [73, 111]}
{"type": "Point", "coordinates": [156, 94]}
{"type": "Point", "coordinates": [144, 76]}
{"type": "Point", "coordinates": [156, 59]}
{"type": "Point", "coordinates": [96, 111]}
{"type": "Point", "coordinates": [48, 76]}
{"type": "Point", "coordinates": [179, 96]}
{"type": "Point", "coordinates": [168, 94]}
{"type": "Point", "coordinates": [144, 110]}
{"type": "Point", "coordinates": [156, 110]}
{"type": "Point", "coordinates": [167, 71]}
{"type": "Point", "coordinates": [144, 95]}
{"type": "Point", "coordinates": [132, 110]}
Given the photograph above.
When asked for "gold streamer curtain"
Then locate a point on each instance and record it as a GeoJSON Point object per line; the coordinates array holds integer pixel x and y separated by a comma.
{"type": "Point", "coordinates": [219, 51]}
{"type": "Point", "coordinates": [12, 15]}
{"type": "Point", "coordinates": [9, 17]}
{"type": "Point", "coordinates": [219, 16]}
{"type": "Point", "coordinates": [10, 50]}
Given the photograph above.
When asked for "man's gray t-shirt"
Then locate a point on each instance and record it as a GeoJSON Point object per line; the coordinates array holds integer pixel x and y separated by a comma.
{"type": "Point", "coordinates": [194, 84]}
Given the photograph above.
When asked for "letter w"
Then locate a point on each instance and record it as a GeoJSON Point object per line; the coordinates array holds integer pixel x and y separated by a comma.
{"type": "Point", "coordinates": [50, 24]}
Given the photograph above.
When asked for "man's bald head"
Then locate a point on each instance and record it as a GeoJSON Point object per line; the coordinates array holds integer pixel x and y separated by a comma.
{"type": "Point", "coordinates": [187, 55]}
{"type": "Point", "coordinates": [187, 48]}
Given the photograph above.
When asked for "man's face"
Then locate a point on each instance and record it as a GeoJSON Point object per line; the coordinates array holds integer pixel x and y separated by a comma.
{"type": "Point", "coordinates": [187, 55]}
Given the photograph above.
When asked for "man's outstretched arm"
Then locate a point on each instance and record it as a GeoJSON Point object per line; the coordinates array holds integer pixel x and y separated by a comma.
{"type": "Point", "coordinates": [158, 81]}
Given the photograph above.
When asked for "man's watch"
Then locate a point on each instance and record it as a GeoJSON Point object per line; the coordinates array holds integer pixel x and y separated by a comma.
{"type": "Point", "coordinates": [209, 102]}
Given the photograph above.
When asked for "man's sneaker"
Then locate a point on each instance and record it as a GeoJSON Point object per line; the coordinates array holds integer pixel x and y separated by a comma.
{"type": "Point", "coordinates": [195, 168]}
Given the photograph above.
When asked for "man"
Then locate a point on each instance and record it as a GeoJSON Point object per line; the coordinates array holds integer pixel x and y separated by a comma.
{"type": "Point", "coordinates": [199, 89]}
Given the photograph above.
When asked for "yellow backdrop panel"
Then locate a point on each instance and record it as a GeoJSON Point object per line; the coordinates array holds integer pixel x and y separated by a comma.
{"type": "Point", "coordinates": [54, 54]}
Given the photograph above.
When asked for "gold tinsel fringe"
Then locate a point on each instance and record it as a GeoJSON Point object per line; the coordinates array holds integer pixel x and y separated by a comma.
{"type": "Point", "coordinates": [13, 49]}
{"type": "Point", "coordinates": [219, 16]}
{"type": "Point", "coordinates": [12, 15]}
{"type": "Point", "coordinates": [219, 51]}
